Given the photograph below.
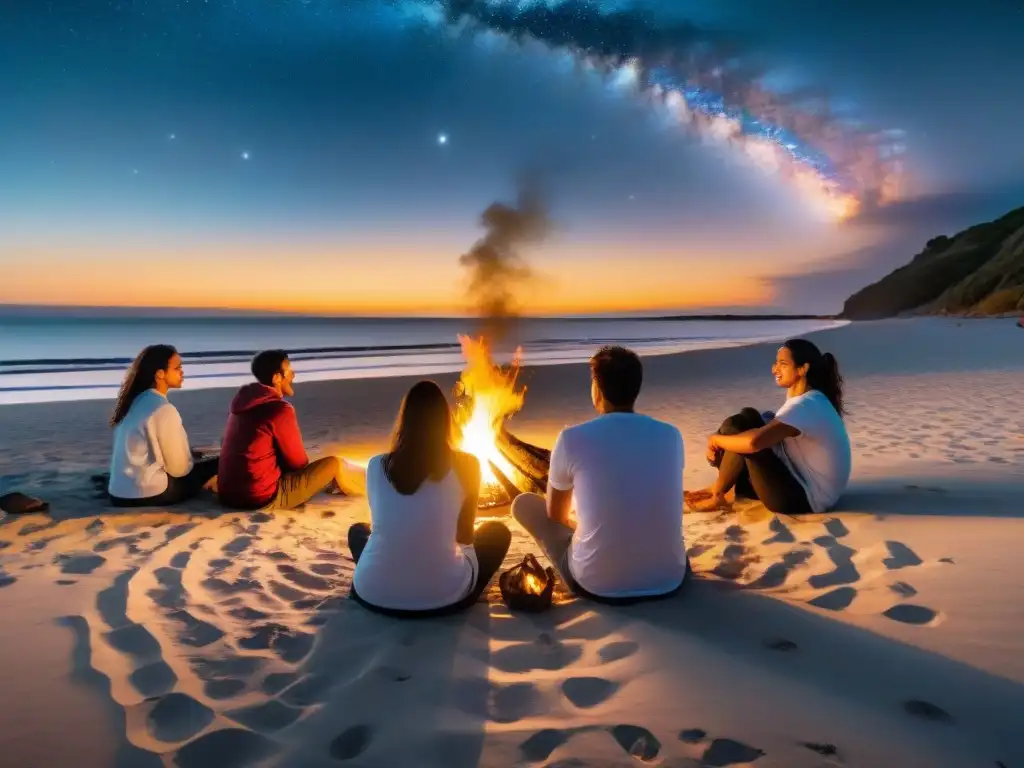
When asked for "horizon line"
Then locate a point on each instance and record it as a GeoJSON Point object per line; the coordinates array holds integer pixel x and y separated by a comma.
{"type": "Point", "coordinates": [166, 312]}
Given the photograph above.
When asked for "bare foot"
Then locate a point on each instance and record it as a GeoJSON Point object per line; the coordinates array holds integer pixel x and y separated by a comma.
{"type": "Point", "coordinates": [699, 495]}
{"type": "Point", "coordinates": [708, 503]}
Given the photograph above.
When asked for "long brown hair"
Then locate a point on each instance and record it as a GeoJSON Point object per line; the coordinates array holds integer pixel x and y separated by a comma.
{"type": "Point", "coordinates": [140, 377]}
{"type": "Point", "coordinates": [822, 371]}
{"type": "Point", "coordinates": [421, 447]}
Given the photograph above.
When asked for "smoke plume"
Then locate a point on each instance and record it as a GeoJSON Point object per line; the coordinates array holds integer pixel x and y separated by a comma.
{"type": "Point", "coordinates": [707, 84]}
{"type": "Point", "coordinates": [496, 266]}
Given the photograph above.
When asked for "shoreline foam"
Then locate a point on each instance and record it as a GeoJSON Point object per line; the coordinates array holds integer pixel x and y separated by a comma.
{"type": "Point", "coordinates": [54, 379]}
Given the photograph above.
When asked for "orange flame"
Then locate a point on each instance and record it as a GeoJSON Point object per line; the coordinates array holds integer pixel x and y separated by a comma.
{"type": "Point", "coordinates": [492, 397]}
{"type": "Point", "coordinates": [532, 584]}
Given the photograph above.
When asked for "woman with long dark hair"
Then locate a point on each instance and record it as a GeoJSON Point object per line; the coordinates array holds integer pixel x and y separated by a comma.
{"type": "Point", "coordinates": [796, 461]}
{"type": "Point", "coordinates": [421, 556]}
{"type": "Point", "coordinates": [152, 464]}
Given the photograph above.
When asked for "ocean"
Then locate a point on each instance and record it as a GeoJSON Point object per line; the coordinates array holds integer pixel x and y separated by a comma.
{"type": "Point", "coordinates": [53, 358]}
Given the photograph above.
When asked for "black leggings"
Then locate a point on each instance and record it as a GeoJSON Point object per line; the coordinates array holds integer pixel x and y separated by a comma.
{"type": "Point", "coordinates": [491, 542]}
{"type": "Point", "coordinates": [179, 489]}
{"type": "Point", "coordinates": [761, 475]}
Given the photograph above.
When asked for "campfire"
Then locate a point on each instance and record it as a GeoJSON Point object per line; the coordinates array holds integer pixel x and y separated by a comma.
{"type": "Point", "coordinates": [486, 396]}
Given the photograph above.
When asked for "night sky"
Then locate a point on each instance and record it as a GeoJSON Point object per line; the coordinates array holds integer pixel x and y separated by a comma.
{"type": "Point", "coordinates": [321, 155]}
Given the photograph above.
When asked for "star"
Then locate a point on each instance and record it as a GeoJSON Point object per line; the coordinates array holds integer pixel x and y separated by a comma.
{"type": "Point", "coordinates": [172, 136]}
{"type": "Point", "coordinates": [245, 155]}
{"type": "Point", "coordinates": [442, 139]}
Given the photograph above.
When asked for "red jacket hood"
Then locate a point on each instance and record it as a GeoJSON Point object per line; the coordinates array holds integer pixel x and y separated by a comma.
{"type": "Point", "coordinates": [254, 395]}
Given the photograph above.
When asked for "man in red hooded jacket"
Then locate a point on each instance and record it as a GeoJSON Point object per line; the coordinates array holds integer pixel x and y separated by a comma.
{"type": "Point", "coordinates": [263, 462]}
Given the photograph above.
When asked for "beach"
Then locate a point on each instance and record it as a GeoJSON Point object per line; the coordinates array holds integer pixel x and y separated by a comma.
{"type": "Point", "coordinates": [884, 633]}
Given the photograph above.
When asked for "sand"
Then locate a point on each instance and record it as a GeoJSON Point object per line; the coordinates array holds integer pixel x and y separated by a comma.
{"type": "Point", "coordinates": [885, 633]}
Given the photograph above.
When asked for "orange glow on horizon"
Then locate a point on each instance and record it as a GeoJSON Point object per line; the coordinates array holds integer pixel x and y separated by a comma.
{"type": "Point", "coordinates": [386, 283]}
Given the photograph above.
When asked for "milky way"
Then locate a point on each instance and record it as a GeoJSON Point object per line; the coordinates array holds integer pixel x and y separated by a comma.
{"type": "Point", "coordinates": [704, 83]}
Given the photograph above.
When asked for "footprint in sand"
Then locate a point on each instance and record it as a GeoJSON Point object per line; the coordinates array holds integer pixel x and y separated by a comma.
{"type": "Point", "coordinates": [900, 556]}
{"type": "Point", "coordinates": [638, 742]}
{"type": "Point", "coordinates": [175, 531]}
{"type": "Point", "coordinates": [927, 711]}
{"type": "Point", "coordinates": [226, 748]}
{"type": "Point", "coordinates": [836, 600]}
{"type": "Point", "coordinates": [544, 653]}
{"type": "Point", "coordinates": [177, 717]}
{"type": "Point", "coordinates": [540, 745]}
{"type": "Point", "coordinates": [305, 580]}
{"type": "Point", "coordinates": [692, 736]}
{"type": "Point", "coordinates": [903, 589]}
{"type": "Point", "coordinates": [907, 613]}
{"type": "Point", "coordinates": [154, 679]}
{"type": "Point", "coordinates": [325, 569]}
{"type": "Point", "coordinates": [845, 572]}
{"type": "Point", "coordinates": [781, 644]}
{"type": "Point", "coordinates": [732, 563]}
{"type": "Point", "coordinates": [351, 742]}
{"type": "Point", "coordinates": [237, 546]}
{"type": "Point", "coordinates": [6, 579]}
{"type": "Point", "coordinates": [245, 613]}
{"type": "Point", "coordinates": [782, 533]}
{"type": "Point", "coordinates": [195, 633]}
{"type": "Point", "coordinates": [736, 534]}
{"type": "Point", "coordinates": [586, 692]}
{"type": "Point", "coordinates": [511, 703]}
{"type": "Point", "coordinates": [724, 752]}
{"type": "Point", "coordinates": [618, 650]}
{"type": "Point", "coordinates": [777, 573]}
{"type": "Point", "coordinates": [291, 645]}
{"type": "Point", "coordinates": [180, 560]}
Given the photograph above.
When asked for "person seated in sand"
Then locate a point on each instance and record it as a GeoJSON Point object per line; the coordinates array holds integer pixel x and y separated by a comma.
{"type": "Point", "coordinates": [796, 461]}
{"type": "Point", "coordinates": [152, 464]}
{"type": "Point", "coordinates": [420, 555]}
{"type": "Point", "coordinates": [626, 471]}
{"type": "Point", "coordinates": [263, 462]}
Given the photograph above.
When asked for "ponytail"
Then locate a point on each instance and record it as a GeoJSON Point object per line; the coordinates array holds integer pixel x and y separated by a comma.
{"type": "Point", "coordinates": [832, 382]}
{"type": "Point", "coordinates": [822, 371]}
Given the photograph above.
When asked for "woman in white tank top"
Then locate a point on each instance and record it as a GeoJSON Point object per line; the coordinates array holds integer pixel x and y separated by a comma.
{"type": "Point", "coordinates": [420, 555]}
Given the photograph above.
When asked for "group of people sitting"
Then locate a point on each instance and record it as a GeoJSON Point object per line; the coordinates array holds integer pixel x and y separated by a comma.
{"type": "Point", "coordinates": [610, 522]}
{"type": "Point", "coordinates": [262, 460]}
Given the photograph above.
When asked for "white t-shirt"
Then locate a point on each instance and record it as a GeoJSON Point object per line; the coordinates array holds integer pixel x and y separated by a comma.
{"type": "Point", "coordinates": [626, 474]}
{"type": "Point", "coordinates": [150, 443]}
{"type": "Point", "coordinates": [819, 456]}
{"type": "Point", "coordinates": [412, 561]}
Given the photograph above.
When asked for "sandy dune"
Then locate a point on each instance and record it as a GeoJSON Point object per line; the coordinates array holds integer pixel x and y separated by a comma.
{"type": "Point", "coordinates": [886, 633]}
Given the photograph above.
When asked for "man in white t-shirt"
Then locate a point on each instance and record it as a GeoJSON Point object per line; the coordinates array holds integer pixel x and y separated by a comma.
{"type": "Point", "coordinates": [625, 471]}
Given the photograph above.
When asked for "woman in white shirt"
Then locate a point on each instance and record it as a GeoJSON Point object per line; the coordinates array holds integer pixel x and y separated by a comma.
{"type": "Point", "coordinates": [151, 464]}
{"type": "Point", "coordinates": [796, 461]}
{"type": "Point", "coordinates": [421, 556]}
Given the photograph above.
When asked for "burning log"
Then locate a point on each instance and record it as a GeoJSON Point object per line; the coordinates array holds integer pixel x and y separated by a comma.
{"type": "Point", "coordinates": [529, 471]}
{"type": "Point", "coordinates": [531, 461]}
